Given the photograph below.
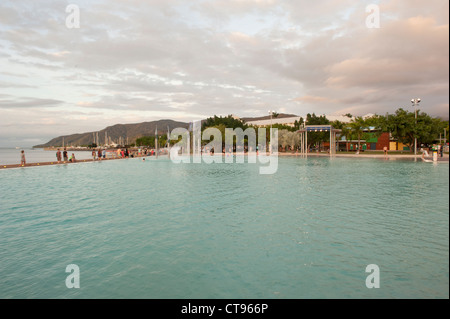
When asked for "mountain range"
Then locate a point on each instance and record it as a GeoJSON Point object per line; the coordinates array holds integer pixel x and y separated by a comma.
{"type": "Point", "coordinates": [128, 131]}
{"type": "Point", "coordinates": [114, 132]}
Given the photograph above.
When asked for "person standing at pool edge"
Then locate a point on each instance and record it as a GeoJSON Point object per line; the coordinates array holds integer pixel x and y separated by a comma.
{"type": "Point", "coordinates": [22, 158]}
{"type": "Point", "coordinates": [385, 151]}
{"type": "Point", "coordinates": [65, 155]}
{"type": "Point", "coordinates": [58, 155]}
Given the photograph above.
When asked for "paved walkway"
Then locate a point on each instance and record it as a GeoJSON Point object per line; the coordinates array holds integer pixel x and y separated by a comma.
{"type": "Point", "coordinates": [54, 163]}
{"type": "Point", "coordinates": [362, 156]}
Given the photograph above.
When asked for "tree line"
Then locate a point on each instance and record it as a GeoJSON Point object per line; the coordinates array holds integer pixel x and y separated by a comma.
{"type": "Point", "coordinates": [402, 125]}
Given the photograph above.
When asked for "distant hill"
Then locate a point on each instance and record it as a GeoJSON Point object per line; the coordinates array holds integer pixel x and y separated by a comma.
{"type": "Point", "coordinates": [130, 131]}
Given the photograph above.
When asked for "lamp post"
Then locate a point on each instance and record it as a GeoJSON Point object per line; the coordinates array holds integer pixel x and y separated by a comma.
{"type": "Point", "coordinates": [415, 102]}
{"type": "Point", "coordinates": [445, 137]}
{"type": "Point", "coordinates": [270, 132]}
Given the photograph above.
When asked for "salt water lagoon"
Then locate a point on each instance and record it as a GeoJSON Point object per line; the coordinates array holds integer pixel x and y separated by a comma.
{"type": "Point", "coordinates": [156, 229]}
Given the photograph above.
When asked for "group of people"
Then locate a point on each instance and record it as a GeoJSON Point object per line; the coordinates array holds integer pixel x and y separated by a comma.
{"type": "Point", "coordinates": [101, 154]}
{"type": "Point", "coordinates": [60, 156]}
{"type": "Point", "coordinates": [63, 156]}
{"type": "Point", "coordinates": [98, 154]}
{"type": "Point", "coordinates": [144, 152]}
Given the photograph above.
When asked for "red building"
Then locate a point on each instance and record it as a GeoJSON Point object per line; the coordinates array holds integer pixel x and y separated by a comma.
{"type": "Point", "coordinates": [378, 143]}
{"type": "Point", "coordinates": [373, 143]}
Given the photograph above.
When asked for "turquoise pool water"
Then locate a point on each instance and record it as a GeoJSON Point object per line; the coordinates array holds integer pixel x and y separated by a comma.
{"type": "Point", "coordinates": [155, 229]}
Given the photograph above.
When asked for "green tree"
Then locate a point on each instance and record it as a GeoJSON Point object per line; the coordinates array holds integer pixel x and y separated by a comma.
{"type": "Point", "coordinates": [315, 138]}
{"type": "Point", "coordinates": [337, 124]}
{"type": "Point", "coordinates": [340, 126]}
{"type": "Point", "coordinates": [148, 141]}
{"type": "Point", "coordinates": [377, 125]}
{"type": "Point", "coordinates": [298, 124]}
{"type": "Point", "coordinates": [357, 126]}
{"type": "Point", "coordinates": [405, 127]}
{"type": "Point", "coordinates": [293, 139]}
{"type": "Point", "coordinates": [283, 138]}
{"type": "Point", "coordinates": [228, 121]}
{"type": "Point", "coordinates": [226, 139]}
{"type": "Point", "coordinates": [447, 131]}
{"type": "Point", "coordinates": [282, 127]}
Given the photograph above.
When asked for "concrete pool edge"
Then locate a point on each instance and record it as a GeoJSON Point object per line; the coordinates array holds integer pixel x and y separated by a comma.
{"type": "Point", "coordinates": [444, 159]}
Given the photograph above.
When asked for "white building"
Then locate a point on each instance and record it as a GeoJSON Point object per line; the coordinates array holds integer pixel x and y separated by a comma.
{"type": "Point", "coordinates": [289, 121]}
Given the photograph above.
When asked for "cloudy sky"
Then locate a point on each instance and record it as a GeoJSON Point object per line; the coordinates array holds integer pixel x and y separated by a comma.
{"type": "Point", "coordinates": [133, 60]}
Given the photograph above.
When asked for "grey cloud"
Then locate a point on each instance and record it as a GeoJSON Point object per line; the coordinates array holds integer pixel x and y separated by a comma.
{"type": "Point", "coordinates": [15, 85]}
{"type": "Point", "coordinates": [8, 15]}
{"type": "Point", "coordinates": [13, 103]}
{"type": "Point", "coordinates": [39, 65]}
{"type": "Point", "coordinates": [133, 55]}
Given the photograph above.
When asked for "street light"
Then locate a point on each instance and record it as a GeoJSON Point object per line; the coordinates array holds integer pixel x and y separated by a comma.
{"type": "Point", "coordinates": [270, 140]}
{"type": "Point", "coordinates": [415, 102]}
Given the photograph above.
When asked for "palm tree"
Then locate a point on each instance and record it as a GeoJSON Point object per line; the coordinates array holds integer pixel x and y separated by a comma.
{"type": "Point", "coordinates": [356, 127]}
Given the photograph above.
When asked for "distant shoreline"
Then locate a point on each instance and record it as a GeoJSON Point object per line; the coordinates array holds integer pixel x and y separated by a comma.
{"type": "Point", "coordinates": [444, 159]}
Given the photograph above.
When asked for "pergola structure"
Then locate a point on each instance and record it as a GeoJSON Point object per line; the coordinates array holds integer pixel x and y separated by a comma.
{"type": "Point", "coordinates": [318, 128]}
